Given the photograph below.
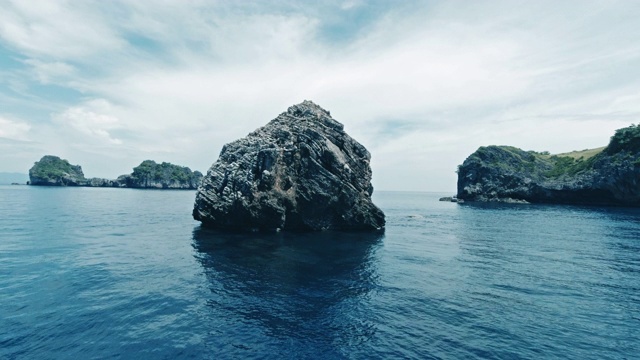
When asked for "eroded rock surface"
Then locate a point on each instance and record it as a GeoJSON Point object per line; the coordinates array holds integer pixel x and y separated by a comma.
{"type": "Point", "coordinates": [508, 174]}
{"type": "Point", "coordinates": [301, 171]}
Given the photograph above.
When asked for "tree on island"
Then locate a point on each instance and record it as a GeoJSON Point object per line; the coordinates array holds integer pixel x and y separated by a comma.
{"type": "Point", "coordinates": [53, 171]}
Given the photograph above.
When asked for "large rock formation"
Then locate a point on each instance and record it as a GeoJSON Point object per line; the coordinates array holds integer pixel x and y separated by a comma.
{"type": "Point", "coordinates": [53, 171]}
{"type": "Point", "coordinates": [299, 172]}
{"type": "Point", "coordinates": [608, 176]}
{"type": "Point", "coordinates": [151, 175]}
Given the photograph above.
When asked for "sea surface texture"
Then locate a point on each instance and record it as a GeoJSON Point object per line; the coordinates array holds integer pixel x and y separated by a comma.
{"type": "Point", "coordinates": [92, 273]}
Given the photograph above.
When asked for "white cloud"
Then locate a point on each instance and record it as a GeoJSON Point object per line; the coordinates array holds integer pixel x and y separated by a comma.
{"type": "Point", "coordinates": [421, 84]}
{"type": "Point", "coordinates": [47, 72]}
{"type": "Point", "coordinates": [59, 29]}
{"type": "Point", "coordinates": [13, 130]}
{"type": "Point", "coordinates": [91, 119]}
{"type": "Point", "coordinates": [350, 4]}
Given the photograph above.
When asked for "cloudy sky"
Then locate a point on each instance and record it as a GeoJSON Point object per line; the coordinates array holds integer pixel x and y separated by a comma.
{"type": "Point", "coordinates": [422, 84]}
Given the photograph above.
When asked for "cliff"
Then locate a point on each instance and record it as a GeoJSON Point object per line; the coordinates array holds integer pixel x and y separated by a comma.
{"type": "Point", "coordinates": [53, 171]}
{"type": "Point", "coordinates": [301, 171]}
{"type": "Point", "coordinates": [151, 175]}
{"type": "Point", "coordinates": [605, 176]}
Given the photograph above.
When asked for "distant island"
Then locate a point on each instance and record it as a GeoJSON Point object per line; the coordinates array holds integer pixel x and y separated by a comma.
{"type": "Point", "coordinates": [604, 176]}
{"type": "Point", "coordinates": [54, 171]}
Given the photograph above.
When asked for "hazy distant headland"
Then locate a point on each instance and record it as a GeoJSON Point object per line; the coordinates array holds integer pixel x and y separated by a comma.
{"type": "Point", "coordinates": [604, 176]}
{"type": "Point", "coordinates": [54, 171]}
{"type": "Point", "coordinates": [7, 178]}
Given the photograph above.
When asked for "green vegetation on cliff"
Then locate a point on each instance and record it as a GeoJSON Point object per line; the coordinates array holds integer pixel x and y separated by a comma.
{"type": "Point", "coordinates": [582, 154]}
{"type": "Point", "coordinates": [625, 139]}
{"type": "Point", "coordinates": [568, 165]}
{"type": "Point", "coordinates": [151, 174]}
{"type": "Point", "coordinates": [508, 159]}
{"type": "Point", "coordinates": [546, 165]}
{"type": "Point", "coordinates": [52, 170]}
{"type": "Point", "coordinates": [606, 175]}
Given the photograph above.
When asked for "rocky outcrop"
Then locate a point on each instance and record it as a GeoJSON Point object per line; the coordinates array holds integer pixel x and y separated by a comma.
{"type": "Point", "coordinates": [301, 171]}
{"type": "Point", "coordinates": [151, 175]}
{"type": "Point", "coordinates": [53, 171]}
{"type": "Point", "coordinates": [451, 199]}
{"type": "Point", "coordinates": [508, 174]}
{"type": "Point", "coordinates": [101, 182]}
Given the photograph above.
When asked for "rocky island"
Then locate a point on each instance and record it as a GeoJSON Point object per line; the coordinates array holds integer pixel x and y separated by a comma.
{"type": "Point", "coordinates": [301, 171]}
{"type": "Point", "coordinates": [151, 175]}
{"type": "Point", "coordinates": [603, 176]}
{"type": "Point", "coordinates": [54, 171]}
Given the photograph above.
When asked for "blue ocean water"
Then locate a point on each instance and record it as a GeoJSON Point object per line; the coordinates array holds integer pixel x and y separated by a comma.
{"type": "Point", "coordinates": [120, 273]}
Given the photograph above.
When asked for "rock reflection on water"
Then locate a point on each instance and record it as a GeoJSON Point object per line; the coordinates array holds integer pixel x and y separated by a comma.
{"type": "Point", "coordinates": [297, 287]}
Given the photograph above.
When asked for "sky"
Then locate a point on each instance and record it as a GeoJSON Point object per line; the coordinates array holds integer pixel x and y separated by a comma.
{"type": "Point", "coordinates": [421, 84]}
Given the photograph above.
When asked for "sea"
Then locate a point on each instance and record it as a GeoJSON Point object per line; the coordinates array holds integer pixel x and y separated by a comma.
{"type": "Point", "coordinates": [99, 273]}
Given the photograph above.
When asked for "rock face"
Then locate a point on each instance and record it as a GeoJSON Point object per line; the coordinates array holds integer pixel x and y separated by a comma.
{"type": "Point", "coordinates": [151, 175]}
{"type": "Point", "coordinates": [299, 172]}
{"type": "Point", "coordinates": [508, 174]}
{"type": "Point", "coordinates": [53, 171]}
{"type": "Point", "coordinates": [100, 182]}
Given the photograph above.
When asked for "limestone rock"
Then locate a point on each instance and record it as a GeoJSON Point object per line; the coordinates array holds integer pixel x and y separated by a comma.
{"type": "Point", "coordinates": [101, 182]}
{"type": "Point", "coordinates": [53, 171]}
{"type": "Point", "coordinates": [508, 174]}
{"type": "Point", "coordinates": [301, 171]}
{"type": "Point", "coordinates": [151, 175]}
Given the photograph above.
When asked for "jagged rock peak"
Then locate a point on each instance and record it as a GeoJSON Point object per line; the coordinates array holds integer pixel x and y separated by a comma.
{"type": "Point", "coordinates": [308, 111]}
{"type": "Point", "coordinates": [301, 171]}
{"type": "Point", "coordinates": [307, 108]}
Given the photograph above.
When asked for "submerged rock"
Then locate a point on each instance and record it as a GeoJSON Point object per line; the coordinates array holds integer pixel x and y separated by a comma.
{"type": "Point", "coordinates": [606, 176]}
{"type": "Point", "coordinates": [301, 171]}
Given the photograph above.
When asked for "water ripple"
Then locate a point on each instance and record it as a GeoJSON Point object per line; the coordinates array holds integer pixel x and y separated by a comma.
{"type": "Point", "coordinates": [121, 273]}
